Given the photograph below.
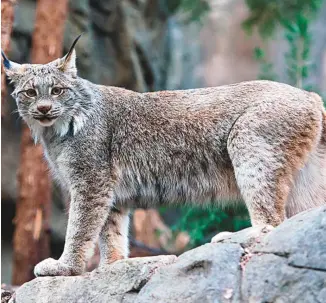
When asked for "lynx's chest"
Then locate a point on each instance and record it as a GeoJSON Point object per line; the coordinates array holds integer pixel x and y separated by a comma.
{"type": "Point", "coordinates": [59, 158]}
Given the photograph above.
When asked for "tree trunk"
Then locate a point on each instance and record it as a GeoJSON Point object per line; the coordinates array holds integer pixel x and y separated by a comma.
{"type": "Point", "coordinates": [32, 238]}
{"type": "Point", "coordinates": [7, 18]}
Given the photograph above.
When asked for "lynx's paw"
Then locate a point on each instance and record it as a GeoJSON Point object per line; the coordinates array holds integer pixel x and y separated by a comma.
{"type": "Point", "coordinates": [251, 232]}
{"type": "Point", "coordinates": [221, 236]}
{"type": "Point", "coordinates": [51, 267]}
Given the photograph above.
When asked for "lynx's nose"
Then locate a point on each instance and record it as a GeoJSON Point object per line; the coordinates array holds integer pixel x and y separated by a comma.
{"type": "Point", "coordinates": [44, 108]}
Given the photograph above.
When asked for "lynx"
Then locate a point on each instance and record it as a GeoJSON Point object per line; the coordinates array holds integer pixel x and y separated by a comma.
{"type": "Point", "coordinates": [260, 142]}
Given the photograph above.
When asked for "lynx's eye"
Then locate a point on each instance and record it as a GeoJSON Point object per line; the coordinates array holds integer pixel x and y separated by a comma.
{"type": "Point", "coordinates": [56, 91]}
{"type": "Point", "coordinates": [31, 93]}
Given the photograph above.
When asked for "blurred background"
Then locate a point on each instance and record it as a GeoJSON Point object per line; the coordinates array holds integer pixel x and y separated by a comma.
{"type": "Point", "coordinates": [143, 45]}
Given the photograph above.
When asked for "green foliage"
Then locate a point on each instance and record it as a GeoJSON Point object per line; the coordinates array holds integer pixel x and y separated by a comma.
{"type": "Point", "coordinates": [202, 224]}
{"type": "Point", "coordinates": [194, 10]}
{"type": "Point", "coordinates": [266, 68]}
{"type": "Point", "coordinates": [266, 15]}
{"type": "Point", "coordinates": [299, 40]}
{"type": "Point", "coordinates": [294, 18]}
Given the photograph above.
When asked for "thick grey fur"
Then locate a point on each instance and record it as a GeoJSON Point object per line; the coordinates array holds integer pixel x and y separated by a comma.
{"type": "Point", "coordinates": [261, 142]}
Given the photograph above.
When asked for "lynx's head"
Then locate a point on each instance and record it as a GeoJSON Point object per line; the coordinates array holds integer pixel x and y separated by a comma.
{"type": "Point", "coordinates": [49, 95]}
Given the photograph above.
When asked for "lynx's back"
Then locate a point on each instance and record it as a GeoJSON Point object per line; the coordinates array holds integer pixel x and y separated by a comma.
{"type": "Point", "coordinates": [178, 146]}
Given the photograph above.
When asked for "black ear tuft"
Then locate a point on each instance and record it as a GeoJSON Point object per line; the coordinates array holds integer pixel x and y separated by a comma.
{"type": "Point", "coordinates": [73, 46]}
{"type": "Point", "coordinates": [6, 62]}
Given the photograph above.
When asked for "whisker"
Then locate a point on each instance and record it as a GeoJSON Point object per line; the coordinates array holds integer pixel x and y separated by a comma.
{"type": "Point", "coordinates": [18, 118]}
{"type": "Point", "coordinates": [15, 111]}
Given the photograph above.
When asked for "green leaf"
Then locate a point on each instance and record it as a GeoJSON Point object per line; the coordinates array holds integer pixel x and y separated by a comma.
{"type": "Point", "coordinates": [302, 23]}
{"type": "Point", "coordinates": [290, 27]}
{"type": "Point", "coordinates": [304, 72]}
{"type": "Point", "coordinates": [289, 37]}
{"type": "Point", "coordinates": [305, 53]}
{"type": "Point", "coordinates": [259, 53]}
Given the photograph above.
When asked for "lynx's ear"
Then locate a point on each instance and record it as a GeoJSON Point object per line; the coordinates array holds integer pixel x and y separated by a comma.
{"type": "Point", "coordinates": [13, 70]}
{"type": "Point", "coordinates": [67, 64]}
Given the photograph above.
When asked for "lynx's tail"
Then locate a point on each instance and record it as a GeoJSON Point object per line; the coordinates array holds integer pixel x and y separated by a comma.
{"type": "Point", "coordinates": [309, 188]}
{"type": "Point", "coordinates": [323, 134]}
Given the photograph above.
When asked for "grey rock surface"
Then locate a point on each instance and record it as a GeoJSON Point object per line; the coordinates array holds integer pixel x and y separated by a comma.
{"type": "Point", "coordinates": [286, 264]}
{"type": "Point", "coordinates": [270, 278]}
{"type": "Point", "coordinates": [118, 283]}
{"type": "Point", "coordinates": [289, 265]}
{"type": "Point", "coordinates": [196, 277]}
{"type": "Point", "coordinates": [302, 239]}
{"type": "Point", "coordinates": [246, 237]}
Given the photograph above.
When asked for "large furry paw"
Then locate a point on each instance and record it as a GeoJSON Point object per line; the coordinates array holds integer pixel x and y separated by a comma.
{"type": "Point", "coordinates": [51, 267]}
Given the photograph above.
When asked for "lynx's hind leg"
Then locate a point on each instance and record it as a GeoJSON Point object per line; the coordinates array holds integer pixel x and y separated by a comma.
{"type": "Point", "coordinates": [114, 236]}
{"type": "Point", "coordinates": [267, 147]}
{"type": "Point", "coordinates": [263, 185]}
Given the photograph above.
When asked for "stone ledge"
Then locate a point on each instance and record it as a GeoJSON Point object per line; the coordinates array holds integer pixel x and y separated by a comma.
{"type": "Point", "coordinates": [286, 264]}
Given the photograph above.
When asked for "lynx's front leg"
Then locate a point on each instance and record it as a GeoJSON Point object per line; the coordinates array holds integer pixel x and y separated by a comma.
{"type": "Point", "coordinates": [87, 215]}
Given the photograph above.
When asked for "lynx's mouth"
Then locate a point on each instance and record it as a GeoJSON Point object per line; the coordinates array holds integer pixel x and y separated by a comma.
{"type": "Point", "coordinates": [46, 120]}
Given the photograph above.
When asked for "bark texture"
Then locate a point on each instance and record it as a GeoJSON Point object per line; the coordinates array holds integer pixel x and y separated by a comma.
{"type": "Point", "coordinates": [7, 18]}
{"type": "Point", "coordinates": [32, 238]}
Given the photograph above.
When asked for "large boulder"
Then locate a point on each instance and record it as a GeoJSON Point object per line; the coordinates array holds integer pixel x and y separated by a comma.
{"type": "Point", "coordinates": [119, 283]}
{"type": "Point", "coordinates": [289, 265]}
{"type": "Point", "coordinates": [286, 264]}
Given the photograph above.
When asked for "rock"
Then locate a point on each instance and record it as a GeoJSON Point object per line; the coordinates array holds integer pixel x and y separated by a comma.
{"type": "Point", "coordinates": [197, 276]}
{"type": "Point", "coordinates": [120, 282]}
{"type": "Point", "coordinates": [302, 239]}
{"type": "Point", "coordinates": [270, 278]}
{"type": "Point", "coordinates": [286, 264]}
{"type": "Point", "coordinates": [289, 265]}
{"type": "Point", "coordinates": [246, 237]}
